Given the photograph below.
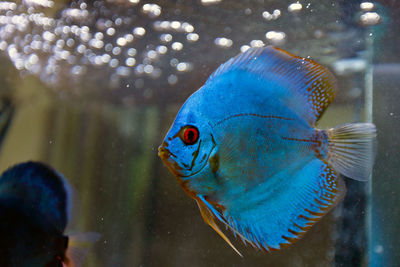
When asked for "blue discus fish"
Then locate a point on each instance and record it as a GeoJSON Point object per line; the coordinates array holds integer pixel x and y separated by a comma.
{"type": "Point", "coordinates": [245, 147]}
{"type": "Point", "coordinates": [34, 204]}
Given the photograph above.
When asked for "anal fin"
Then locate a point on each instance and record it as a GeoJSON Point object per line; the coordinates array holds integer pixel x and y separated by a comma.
{"type": "Point", "coordinates": [273, 218]}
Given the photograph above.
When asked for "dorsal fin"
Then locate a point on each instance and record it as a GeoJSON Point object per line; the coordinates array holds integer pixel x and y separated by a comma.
{"type": "Point", "coordinates": [308, 88]}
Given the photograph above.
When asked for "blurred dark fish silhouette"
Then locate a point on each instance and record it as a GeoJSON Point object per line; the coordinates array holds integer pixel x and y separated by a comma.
{"type": "Point", "coordinates": [34, 212]}
{"type": "Point", "coordinates": [6, 116]}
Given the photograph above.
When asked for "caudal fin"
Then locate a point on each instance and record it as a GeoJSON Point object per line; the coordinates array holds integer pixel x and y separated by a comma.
{"type": "Point", "coordinates": [352, 149]}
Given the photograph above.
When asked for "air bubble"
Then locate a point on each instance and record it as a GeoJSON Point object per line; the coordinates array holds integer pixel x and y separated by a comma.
{"type": "Point", "coordinates": [192, 37]}
{"type": "Point", "coordinates": [177, 46]}
{"type": "Point", "coordinates": [139, 31]}
{"type": "Point", "coordinates": [153, 10]}
{"type": "Point", "coordinates": [166, 38]}
{"type": "Point", "coordinates": [295, 7]}
{"type": "Point", "coordinates": [223, 42]}
{"type": "Point", "coordinates": [130, 61]}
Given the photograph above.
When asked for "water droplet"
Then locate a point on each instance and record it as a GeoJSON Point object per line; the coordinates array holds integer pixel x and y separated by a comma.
{"type": "Point", "coordinates": [110, 31]}
{"type": "Point", "coordinates": [172, 79]}
{"type": "Point", "coordinates": [130, 61]}
{"type": "Point", "coordinates": [175, 25]}
{"type": "Point", "coordinates": [378, 249]}
{"type": "Point", "coordinates": [153, 10]}
{"type": "Point", "coordinates": [105, 58]}
{"type": "Point", "coordinates": [276, 38]}
{"type": "Point", "coordinates": [192, 37]}
{"type": "Point", "coordinates": [187, 27]}
{"type": "Point", "coordinates": [39, 3]}
{"type": "Point", "coordinates": [139, 31]}
{"type": "Point", "coordinates": [121, 41]}
{"type": "Point", "coordinates": [370, 18]}
{"type": "Point", "coordinates": [152, 54]}
{"type": "Point", "coordinates": [174, 62]}
{"type": "Point", "coordinates": [48, 36]}
{"type": "Point", "coordinates": [77, 70]}
{"type": "Point", "coordinates": [367, 6]}
{"type": "Point", "coordinates": [276, 14]}
{"type": "Point", "coordinates": [177, 46]}
{"type": "Point", "coordinates": [81, 48]}
{"type": "Point", "coordinates": [148, 69]}
{"type": "Point", "coordinates": [118, 22]}
{"type": "Point", "coordinates": [123, 71]}
{"type": "Point", "coordinates": [295, 7]}
{"type": "Point", "coordinates": [210, 2]}
{"type": "Point", "coordinates": [266, 15]}
{"type": "Point", "coordinates": [116, 50]}
{"type": "Point", "coordinates": [70, 42]}
{"type": "Point", "coordinates": [108, 47]}
{"type": "Point", "coordinates": [3, 45]}
{"type": "Point", "coordinates": [244, 48]}
{"type": "Point", "coordinates": [223, 42]}
{"type": "Point", "coordinates": [33, 59]}
{"type": "Point", "coordinates": [184, 66]}
{"type": "Point", "coordinates": [166, 38]}
{"type": "Point", "coordinates": [113, 63]}
{"type": "Point", "coordinates": [161, 49]}
{"type": "Point", "coordinates": [131, 52]}
{"type": "Point", "coordinates": [257, 43]}
{"type": "Point", "coordinates": [99, 35]}
{"type": "Point", "coordinates": [8, 6]}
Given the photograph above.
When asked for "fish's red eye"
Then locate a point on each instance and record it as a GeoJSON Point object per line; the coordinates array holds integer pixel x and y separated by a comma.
{"type": "Point", "coordinates": [190, 135]}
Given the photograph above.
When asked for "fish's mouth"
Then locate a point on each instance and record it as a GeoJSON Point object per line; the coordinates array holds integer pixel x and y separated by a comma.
{"type": "Point", "coordinates": [167, 157]}
{"type": "Point", "coordinates": [164, 153]}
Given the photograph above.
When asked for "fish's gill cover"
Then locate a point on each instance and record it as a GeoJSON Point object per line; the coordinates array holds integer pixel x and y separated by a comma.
{"type": "Point", "coordinates": [38, 187]}
{"type": "Point", "coordinates": [307, 83]}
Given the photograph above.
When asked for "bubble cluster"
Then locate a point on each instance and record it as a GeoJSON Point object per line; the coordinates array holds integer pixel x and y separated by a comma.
{"type": "Point", "coordinates": [276, 38]}
{"type": "Point", "coordinates": [272, 16]}
{"type": "Point", "coordinates": [176, 26]}
{"type": "Point", "coordinates": [223, 42]}
{"type": "Point", "coordinates": [153, 10]}
{"type": "Point", "coordinates": [369, 17]}
{"type": "Point", "coordinates": [142, 43]}
{"type": "Point", "coordinates": [72, 45]}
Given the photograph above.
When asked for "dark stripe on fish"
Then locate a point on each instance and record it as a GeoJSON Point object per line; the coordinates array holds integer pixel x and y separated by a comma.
{"type": "Point", "coordinates": [254, 115]}
{"type": "Point", "coordinates": [195, 155]}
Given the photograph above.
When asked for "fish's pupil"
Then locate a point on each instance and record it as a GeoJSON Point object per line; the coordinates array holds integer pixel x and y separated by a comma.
{"type": "Point", "coordinates": [190, 135]}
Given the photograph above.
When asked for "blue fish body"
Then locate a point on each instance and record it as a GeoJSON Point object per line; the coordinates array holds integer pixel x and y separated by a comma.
{"type": "Point", "coordinates": [245, 147]}
{"type": "Point", "coordinates": [34, 212]}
